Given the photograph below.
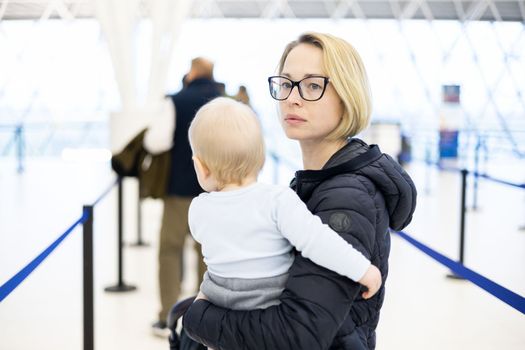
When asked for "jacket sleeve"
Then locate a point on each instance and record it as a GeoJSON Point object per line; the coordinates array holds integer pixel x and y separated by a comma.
{"type": "Point", "coordinates": [315, 301]}
{"type": "Point", "coordinates": [316, 240]}
{"type": "Point", "coordinates": [159, 135]}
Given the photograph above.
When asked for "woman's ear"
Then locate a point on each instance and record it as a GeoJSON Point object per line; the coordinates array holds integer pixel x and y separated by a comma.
{"type": "Point", "coordinates": [200, 168]}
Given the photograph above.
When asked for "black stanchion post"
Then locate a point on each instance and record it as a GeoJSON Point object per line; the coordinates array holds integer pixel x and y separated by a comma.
{"type": "Point", "coordinates": [88, 278]}
{"type": "Point", "coordinates": [476, 175]}
{"type": "Point", "coordinates": [464, 173]}
{"type": "Point", "coordinates": [139, 242]}
{"type": "Point", "coordinates": [120, 286]}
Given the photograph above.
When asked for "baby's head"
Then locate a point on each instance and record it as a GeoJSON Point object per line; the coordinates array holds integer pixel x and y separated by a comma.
{"type": "Point", "coordinates": [227, 143]}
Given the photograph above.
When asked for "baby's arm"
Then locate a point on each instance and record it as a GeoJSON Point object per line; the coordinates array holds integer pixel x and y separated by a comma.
{"type": "Point", "coordinates": [319, 243]}
{"type": "Point", "coordinates": [193, 212]}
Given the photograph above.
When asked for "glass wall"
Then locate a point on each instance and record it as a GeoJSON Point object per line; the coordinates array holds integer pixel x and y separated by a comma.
{"type": "Point", "coordinates": [56, 77]}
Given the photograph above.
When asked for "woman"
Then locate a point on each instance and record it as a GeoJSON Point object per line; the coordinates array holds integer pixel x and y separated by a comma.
{"type": "Point", "coordinates": [324, 100]}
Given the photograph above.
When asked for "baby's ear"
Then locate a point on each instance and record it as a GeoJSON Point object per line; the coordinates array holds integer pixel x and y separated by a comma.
{"type": "Point", "coordinates": [200, 167]}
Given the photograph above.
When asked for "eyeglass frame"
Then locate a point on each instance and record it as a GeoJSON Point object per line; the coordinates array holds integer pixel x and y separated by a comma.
{"type": "Point", "coordinates": [296, 83]}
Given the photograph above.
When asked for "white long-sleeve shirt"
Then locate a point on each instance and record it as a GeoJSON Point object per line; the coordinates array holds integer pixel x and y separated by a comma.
{"type": "Point", "coordinates": [249, 233]}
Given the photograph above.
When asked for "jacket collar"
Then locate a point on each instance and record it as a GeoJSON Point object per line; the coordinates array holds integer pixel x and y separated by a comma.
{"type": "Point", "coordinates": [352, 157]}
{"type": "Point", "coordinates": [200, 81]}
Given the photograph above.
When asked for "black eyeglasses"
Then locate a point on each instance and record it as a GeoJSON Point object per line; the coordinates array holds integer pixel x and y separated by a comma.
{"type": "Point", "coordinates": [311, 88]}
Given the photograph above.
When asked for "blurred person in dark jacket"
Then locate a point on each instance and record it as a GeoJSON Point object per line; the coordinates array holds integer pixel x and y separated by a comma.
{"type": "Point", "coordinates": [199, 88]}
{"type": "Point", "coordinates": [324, 101]}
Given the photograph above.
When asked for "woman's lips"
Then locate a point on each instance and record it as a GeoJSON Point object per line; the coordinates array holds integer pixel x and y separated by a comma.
{"type": "Point", "coordinates": [294, 119]}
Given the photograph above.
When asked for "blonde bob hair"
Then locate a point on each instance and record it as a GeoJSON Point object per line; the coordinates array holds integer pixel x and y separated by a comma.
{"type": "Point", "coordinates": [226, 137]}
{"type": "Point", "coordinates": [347, 74]}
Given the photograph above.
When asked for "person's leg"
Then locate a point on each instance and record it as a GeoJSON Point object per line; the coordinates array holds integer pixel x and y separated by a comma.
{"type": "Point", "coordinates": [172, 235]}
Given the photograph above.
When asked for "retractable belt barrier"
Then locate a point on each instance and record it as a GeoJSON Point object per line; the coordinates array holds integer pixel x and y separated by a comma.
{"type": "Point", "coordinates": [474, 173]}
{"type": "Point", "coordinates": [514, 300]}
{"type": "Point", "coordinates": [14, 281]}
{"type": "Point", "coordinates": [507, 296]}
{"type": "Point", "coordinates": [87, 251]}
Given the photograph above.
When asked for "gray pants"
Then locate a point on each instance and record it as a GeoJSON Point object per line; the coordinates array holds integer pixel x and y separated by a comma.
{"type": "Point", "coordinates": [243, 293]}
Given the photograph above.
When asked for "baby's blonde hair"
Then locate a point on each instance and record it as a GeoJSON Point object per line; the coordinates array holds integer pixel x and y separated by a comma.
{"type": "Point", "coordinates": [226, 136]}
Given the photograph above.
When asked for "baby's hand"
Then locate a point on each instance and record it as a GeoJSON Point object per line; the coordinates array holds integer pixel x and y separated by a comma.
{"type": "Point", "coordinates": [372, 280]}
{"type": "Point", "coordinates": [201, 296]}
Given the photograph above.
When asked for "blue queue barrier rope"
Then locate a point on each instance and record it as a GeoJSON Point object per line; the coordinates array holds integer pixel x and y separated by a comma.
{"type": "Point", "coordinates": [475, 173]}
{"type": "Point", "coordinates": [110, 187]}
{"type": "Point", "coordinates": [514, 300]}
{"type": "Point", "coordinates": [15, 281]}
{"type": "Point", "coordinates": [485, 176]}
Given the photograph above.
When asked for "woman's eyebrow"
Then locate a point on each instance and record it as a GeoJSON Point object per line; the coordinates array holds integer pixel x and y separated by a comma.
{"type": "Point", "coordinates": [304, 76]}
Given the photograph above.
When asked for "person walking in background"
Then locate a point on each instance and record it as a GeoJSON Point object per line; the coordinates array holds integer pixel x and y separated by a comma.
{"type": "Point", "coordinates": [181, 189]}
{"type": "Point", "coordinates": [324, 101]}
{"type": "Point", "coordinates": [248, 229]}
{"type": "Point", "coordinates": [242, 95]}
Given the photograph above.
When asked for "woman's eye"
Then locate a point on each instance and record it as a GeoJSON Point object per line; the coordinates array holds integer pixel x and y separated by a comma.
{"type": "Point", "coordinates": [286, 85]}
{"type": "Point", "coordinates": [314, 86]}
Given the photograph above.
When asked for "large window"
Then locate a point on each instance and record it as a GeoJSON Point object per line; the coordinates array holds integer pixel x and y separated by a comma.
{"type": "Point", "coordinates": [56, 76]}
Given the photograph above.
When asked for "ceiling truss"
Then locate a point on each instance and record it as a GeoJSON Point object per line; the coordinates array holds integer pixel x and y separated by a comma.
{"type": "Point", "coordinates": [462, 10]}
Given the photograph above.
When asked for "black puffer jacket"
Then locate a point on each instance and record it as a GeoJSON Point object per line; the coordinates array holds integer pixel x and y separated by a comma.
{"type": "Point", "coordinates": [320, 309]}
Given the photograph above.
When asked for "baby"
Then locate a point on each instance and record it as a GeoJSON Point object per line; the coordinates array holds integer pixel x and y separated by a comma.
{"type": "Point", "coordinates": [247, 229]}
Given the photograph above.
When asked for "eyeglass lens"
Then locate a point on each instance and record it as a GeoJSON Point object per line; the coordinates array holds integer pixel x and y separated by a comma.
{"type": "Point", "coordinates": [310, 88]}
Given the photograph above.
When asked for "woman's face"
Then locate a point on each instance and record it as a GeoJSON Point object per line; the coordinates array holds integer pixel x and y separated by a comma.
{"type": "Point", "coordinates": [308, 121]}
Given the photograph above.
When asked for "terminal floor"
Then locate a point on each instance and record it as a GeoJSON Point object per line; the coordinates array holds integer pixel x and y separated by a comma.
{"type": "Point", "coordinates": [423, 308]}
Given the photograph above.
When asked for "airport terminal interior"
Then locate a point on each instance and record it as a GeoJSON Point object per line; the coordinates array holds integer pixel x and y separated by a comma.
{"type": "Point", "coordinates": [79, 79]}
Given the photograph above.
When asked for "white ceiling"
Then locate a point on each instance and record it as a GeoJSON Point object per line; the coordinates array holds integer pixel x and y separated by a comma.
{"type": "Point", "coordinates": [492, 10]}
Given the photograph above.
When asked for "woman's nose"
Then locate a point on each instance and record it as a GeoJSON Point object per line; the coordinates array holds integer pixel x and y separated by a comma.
{"type": "Point", "coordinates": [295, 97]}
